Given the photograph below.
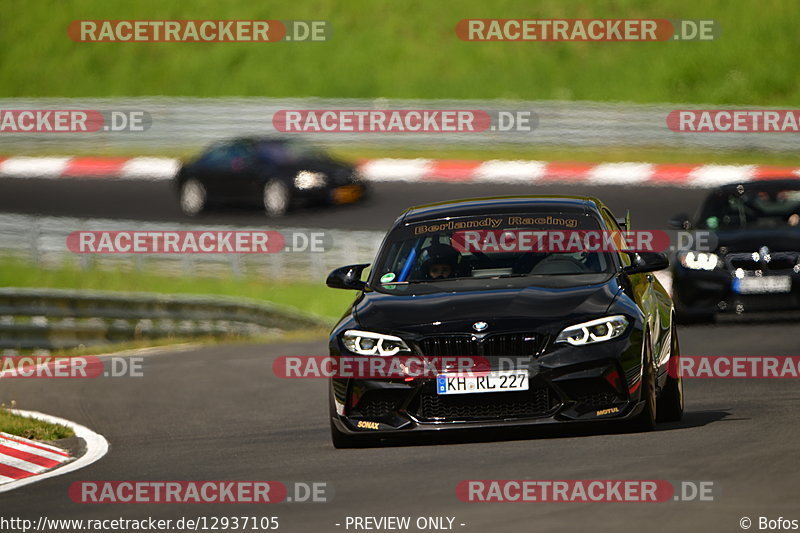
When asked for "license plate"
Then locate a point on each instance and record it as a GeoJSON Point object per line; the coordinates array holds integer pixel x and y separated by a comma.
{"type": "Point", "coordinates": [762, 285]}
{"type": "Point", "coordinates": [347, 194]}
{"type": "Point", "coordinates": [501, 381]}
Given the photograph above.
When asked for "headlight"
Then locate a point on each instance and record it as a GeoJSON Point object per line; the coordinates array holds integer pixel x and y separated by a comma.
{"type": "Point", "coordinates": [699, 260]}
{"type": "Point", "coordinates": [369, 343]}
{"type": "Point", "coordinates": [599, 330]}
{"type": "Point", "coordinates": [306, 179]}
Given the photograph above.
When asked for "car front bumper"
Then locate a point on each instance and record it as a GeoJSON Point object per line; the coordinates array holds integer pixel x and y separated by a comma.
{"type": "Point", "coordinates": [566, 385]}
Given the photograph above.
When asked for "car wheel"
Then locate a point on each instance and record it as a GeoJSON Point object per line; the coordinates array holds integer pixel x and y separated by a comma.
{"type": "Point", "coordinates": [276, 198]}
{"type": "Point", "coordinates": [646, 420]}
{"type": "Point", "coordinates": [193, 197]}
{"type": "Point", "coordinates": [670, 403]}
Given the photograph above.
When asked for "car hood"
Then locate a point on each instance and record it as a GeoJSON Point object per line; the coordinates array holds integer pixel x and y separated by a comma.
{"type": "Point", "coordinates": [751, 240]}
{"type": "Point", "coordinates": [527, 308]}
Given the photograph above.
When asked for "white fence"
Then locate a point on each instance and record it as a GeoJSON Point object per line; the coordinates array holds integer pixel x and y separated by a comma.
{"type": "Point", "coordinates": [188, 123]}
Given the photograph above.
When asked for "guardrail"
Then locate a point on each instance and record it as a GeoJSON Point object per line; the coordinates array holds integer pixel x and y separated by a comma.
{"type": "Point", "coordinates": [47, 319]}
{"type": "Point", "coordinates": [188, 123]}
{"type": "Point", "coordinates": [42, 240]}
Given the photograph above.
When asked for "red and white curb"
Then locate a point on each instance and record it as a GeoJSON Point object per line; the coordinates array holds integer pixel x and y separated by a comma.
{"type": "Point", "coordinates": [138, 168]}
{"type": "Point", "coordinates": [426, 170]}
{"type": "Point", "coordinates": [21, 458]}
{"type": "Point", "coordinates": [23, 461]}
{"type": "Point", "coordinates": [526, 172]}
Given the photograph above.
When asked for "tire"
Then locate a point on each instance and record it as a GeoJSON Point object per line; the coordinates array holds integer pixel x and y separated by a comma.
{"type": "Point", "coordinates": [276, 198]}
{"type": "Point", "coordinates": [670, 403]}
{"type": "Point", "coordinates": [193, 197]}
{"type": "Point", "coordinates": [646, 420]}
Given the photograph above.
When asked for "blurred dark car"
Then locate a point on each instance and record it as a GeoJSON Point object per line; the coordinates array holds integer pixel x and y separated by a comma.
{"type": "Point", "coordinates": [272, 174]}
{"type": "Point", "coordinates": [755, 266]}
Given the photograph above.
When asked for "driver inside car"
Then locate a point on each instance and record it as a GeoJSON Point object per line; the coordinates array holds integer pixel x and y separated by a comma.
{"type": "Point", "coordinates": [441, 262]}
{"type": "Point", "coordinates": [440, 270]}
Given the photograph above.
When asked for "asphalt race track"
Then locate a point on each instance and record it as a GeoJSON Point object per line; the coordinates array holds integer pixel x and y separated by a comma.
{"type": "Point", "coordinates": [219, 413]}
{"type": "Point", "coordinates": [153, 201]}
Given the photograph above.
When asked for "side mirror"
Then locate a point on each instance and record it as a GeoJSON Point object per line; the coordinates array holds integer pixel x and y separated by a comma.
{"type": "Point", "coordinates": [647, 262]}
{"type": "Point", "coordinates": [680, 221]}
{"type": "Point", "coordinates": [347, 277]}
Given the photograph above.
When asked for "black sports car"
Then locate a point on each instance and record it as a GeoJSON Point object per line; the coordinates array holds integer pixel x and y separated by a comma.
{"type": "Point", "coordinates": [269, 173]}
{"type": "Point", "coordinates": [754, 264]}
{"type": "Point", "coordinates": [569, 337]}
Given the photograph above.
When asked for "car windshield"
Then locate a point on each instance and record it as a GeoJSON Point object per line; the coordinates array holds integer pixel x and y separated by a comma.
{"type": "Point", "coordinates": [283, 153]}
{"type": "Point", "coordinates": [752, 209]}
{"type": "Point", "coordinates": [467, 249]}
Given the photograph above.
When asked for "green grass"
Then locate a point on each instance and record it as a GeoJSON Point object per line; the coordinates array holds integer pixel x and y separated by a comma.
{"type": "Point", "coordinates": [30, 428]}
{"type": "Point", "coordinates": [383, 48]}
{"type": "Point", "coordinates": [313, 298]}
